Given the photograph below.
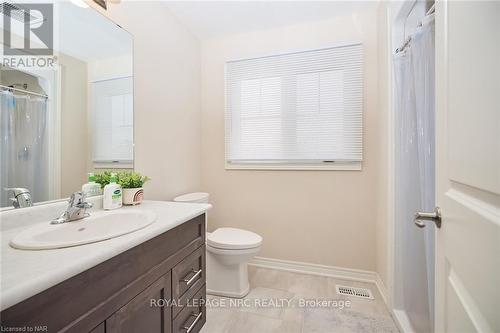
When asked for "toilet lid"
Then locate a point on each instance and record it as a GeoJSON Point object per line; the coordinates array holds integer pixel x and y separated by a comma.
{"type": "Point", "coordinates": [233, 239]}
{"type": "Point", "coordinates": [192, 197]}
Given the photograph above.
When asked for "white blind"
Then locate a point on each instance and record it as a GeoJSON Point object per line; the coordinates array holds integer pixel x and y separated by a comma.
{"type": "Point", "coordinates": [113, 121]}
{"type": "Point", "coordinates": [303, 107]}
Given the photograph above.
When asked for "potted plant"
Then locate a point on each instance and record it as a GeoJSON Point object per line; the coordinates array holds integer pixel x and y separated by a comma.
{"type": "Point", "coordinates": [102, 178]}
{"type": "Point", "coordinates": [132, 183]}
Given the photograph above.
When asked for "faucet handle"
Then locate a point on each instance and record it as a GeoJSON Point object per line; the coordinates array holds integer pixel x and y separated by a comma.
{"type": "Point", "coordinates": [22, 197]}
{"type": "Point", "coordinates": [76, 210]}
{"type": "Point", "coordinates": [77, 199]}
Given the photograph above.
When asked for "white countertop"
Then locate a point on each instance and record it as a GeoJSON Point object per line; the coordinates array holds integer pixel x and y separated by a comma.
{"type": "Point", "coordinates": [25, 273]}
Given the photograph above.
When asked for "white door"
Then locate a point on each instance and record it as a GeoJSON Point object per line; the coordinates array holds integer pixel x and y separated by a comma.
{"type": "Point", "coordinates": [468, 166]}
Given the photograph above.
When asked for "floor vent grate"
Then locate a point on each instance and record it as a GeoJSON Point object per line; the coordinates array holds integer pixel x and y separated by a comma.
{"type": "Point", "coordinates": [352, 291]}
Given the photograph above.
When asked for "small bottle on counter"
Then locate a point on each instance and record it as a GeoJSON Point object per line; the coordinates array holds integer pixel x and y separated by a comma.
{"type": "Point", "coordinates": [91, 188]}
{"type": "Point", "coordinates": [112, 195]}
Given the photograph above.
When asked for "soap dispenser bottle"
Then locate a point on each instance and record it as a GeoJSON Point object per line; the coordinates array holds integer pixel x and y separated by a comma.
{"type": "Point", "coordinates": [92, 188]}
{"type": "Point", "coordinates": [112, 195]}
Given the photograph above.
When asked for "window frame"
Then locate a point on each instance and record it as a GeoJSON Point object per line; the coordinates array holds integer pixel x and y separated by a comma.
{"type": "Point", "coordinates": [110, 163]}
{"type": "Point", "coordinates": [285, 165]}
{"type": "Point", "coordinates": [335, 166]}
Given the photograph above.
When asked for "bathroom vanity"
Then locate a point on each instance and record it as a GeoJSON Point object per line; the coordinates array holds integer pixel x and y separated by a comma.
{"type": "Point", "coordinates": [150, 280]}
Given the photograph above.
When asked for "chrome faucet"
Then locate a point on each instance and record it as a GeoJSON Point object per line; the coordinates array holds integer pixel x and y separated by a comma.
{"type": "Point", "coordinates": [77, 209]}
{"type": "Point", "coordinates": [22, 197]}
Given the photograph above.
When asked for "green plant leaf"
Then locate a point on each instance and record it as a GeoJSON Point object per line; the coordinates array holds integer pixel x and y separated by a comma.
{"type": "Point", "coordinates": [102, 178]}
{"type": "Point", "coordinates": [127, 179]}
{"type": "Point", "coordinates": [131, 179]}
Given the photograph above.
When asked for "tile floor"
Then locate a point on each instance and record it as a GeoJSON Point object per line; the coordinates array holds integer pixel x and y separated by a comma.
{"type": "Point", "coordinates": [276, 304]}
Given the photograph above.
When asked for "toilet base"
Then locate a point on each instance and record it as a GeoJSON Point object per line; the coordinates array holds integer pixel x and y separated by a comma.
{"type": "Point", "coordinates": [227, 272]}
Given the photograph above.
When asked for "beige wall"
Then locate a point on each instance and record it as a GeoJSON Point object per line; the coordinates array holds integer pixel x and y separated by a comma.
{"type": "Point", "coordinates": [326, 217]}
{"type": "Point", "coordinates": [323, 217]}
{"type": "Point", "coordinates": [109, 68]}
{"type": "Point", "coordinates": [166, 97]}
{"type": "Point", "coordinates": [74, 137]}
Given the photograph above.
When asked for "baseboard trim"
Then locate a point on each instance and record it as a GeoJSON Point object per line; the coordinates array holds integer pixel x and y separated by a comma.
{"type": "Point", "coordinates": [322, 270]}
{"type": "Point", "coordinates": [382, 290]}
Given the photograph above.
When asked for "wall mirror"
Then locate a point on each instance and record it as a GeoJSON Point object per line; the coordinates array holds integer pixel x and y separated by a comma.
{"type": "Point", "coordinates": [59, 123]}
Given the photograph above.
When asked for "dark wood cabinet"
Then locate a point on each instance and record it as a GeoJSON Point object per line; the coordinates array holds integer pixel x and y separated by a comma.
{"type": "Point", "coordinates": [188, 277]}
{"type": "Point", "coordinates": [192, 317]}
{"type": "Point", "coordinates": [99, 329]}
{"type": "Point", "coordinates": [157, 286]}
{"type": "Point", "coordinates": [145, 312]}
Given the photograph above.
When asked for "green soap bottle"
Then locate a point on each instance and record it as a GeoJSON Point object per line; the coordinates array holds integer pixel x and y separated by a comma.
{"type": "Point", "coordinates": [91, 189]}
{"type": "Point", "coordinates": [112, 195]}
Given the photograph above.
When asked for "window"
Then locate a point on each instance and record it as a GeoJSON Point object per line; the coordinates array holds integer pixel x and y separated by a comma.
{"type": "Point", "coordinates": [298, 110]}
{"type": "Point", "coordinates": [112, 122]}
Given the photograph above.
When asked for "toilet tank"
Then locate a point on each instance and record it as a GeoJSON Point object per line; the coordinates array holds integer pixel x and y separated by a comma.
{"type": "Point", "coordinates": [199, 197]}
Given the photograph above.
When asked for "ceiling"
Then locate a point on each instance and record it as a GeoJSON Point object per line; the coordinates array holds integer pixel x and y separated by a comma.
{"type": "Point", "coordinates": [82, 33]}
{"type": "Point", "coordinates": [208, 19]}
{"type": "Point", "coordinates": [86, 34]}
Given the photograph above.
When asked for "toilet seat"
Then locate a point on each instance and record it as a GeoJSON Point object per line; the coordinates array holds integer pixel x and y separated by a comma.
{"type": "Point", "coordinates": [232, 252]}
{"type": "Point", "coordinates": [233, 239]}
{"type": "Point", "coordinates": [201, 197]}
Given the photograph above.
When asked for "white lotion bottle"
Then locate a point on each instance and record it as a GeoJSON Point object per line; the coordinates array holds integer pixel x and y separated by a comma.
{"type": "Point", "coordinates": [112, 195]}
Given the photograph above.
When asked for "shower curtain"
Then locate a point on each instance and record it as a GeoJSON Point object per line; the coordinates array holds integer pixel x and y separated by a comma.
{"type": "Point", "coordinates": [23, 146]}
{"type": "Point", "coordinates": [414, 81]}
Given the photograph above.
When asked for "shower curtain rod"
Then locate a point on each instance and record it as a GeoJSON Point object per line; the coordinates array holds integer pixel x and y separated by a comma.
{"type": "Point", "coordinates": [23, 91]}
{"type": "Point", "coordinates": [408, 40]}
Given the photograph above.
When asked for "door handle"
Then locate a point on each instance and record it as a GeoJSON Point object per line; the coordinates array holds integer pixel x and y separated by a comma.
{"type": "Point", "coordinates": [422, 217]}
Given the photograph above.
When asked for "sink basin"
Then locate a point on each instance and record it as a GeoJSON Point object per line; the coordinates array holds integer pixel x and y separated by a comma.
{"type": "Point", "coordinates": [99, 226]}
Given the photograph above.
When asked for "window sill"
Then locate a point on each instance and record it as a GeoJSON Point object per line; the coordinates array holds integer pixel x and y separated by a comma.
{"type": "Point", "coordinates": [352, 166]}
{"type": "Point", "coordinates": [103, 165]}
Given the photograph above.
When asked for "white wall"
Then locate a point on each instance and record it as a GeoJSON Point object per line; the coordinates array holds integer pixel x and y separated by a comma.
{"type": "Point", "coordinates": [323, 217]}
{"type": "Point", "coordinates": [166, 97]}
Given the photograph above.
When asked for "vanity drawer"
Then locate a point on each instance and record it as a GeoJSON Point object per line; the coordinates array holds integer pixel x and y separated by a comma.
{"type": "Point", "coordinates": [193, 316]}
{"type": "Point", "coordinates": [187, 277]}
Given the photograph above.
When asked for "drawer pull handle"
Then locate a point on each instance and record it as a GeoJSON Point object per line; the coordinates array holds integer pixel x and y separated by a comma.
{"type": "Point", "coordinates": [193, 278]}
{"type": "Point", "coordinates": [193, 324]}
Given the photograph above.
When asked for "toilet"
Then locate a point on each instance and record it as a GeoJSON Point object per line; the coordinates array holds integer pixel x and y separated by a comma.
{"type": "Point", "coordinates": [228, 252]}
